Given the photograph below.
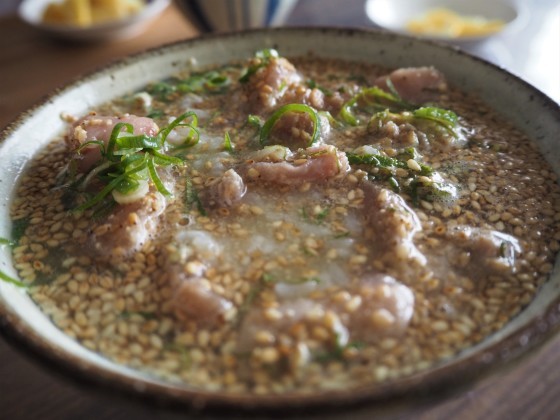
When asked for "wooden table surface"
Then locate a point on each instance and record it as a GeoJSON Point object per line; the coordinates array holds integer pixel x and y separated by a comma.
{"type": "Point", "coordinates": [30, 67]}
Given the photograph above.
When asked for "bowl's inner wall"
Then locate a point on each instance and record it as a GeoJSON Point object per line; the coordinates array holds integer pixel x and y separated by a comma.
{"type": "Point", "coordinates": [530, 110]}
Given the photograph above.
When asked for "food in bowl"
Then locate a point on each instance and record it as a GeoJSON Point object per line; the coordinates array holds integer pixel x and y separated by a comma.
{"type": "Point", "coordinates": [86, 13]}
{"type": "Point", "coordinates": [447, 23]}
{"type": "Point", "coordinates": [277, 226]}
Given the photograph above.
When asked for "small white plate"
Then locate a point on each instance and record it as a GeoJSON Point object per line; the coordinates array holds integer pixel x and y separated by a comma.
{"type": "Point", "coordinates": [394, 15]}
{"type": "Point", "coordinates": [31, 12]}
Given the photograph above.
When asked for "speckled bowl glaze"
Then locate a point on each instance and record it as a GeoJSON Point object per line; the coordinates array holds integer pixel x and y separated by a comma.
{"type": "Point", "coordinates": [531, 110]}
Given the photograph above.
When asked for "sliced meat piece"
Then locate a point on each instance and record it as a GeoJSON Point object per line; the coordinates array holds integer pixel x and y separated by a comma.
{"type": "Point", "coordinates": [415, 84]}
{"type": "Point", "coordinates": [267, 85]}
{"type": "Point", "coordinates": [295, 129]}
{"type": "Point", "coordinates": [279, 83]}
{"type": "Point", "coordinates": [128, 228]}
{"type": "Point", "coordinates": [98, 127]}
{"type": "Point", "coordinates": [186, 264]}
{"type": "Point", "coordinates": [314, 164]}
{"type": "Point", "coordinates": [380, 307]}
{"type": "Point", "coordinates": [386, 308]}
{"type": "Point", "coordinates": [274, 153]}
{"type": "Point", "coordinates": [393, 224]}
{"type": "Point", "coordinates": [229, 189]}
{"type": "Point", "coordinates": [489, 250]}
{"type": "Point", "coordinates": [194, 301]}
{"type": "Point", "coordinates": [303, 95]}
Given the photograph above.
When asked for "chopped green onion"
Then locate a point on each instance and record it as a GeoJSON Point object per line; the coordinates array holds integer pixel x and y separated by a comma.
{"type": "Point", "coordinates": [113, 139]}
{"type": "Point", "coordinates": [216, 81]}
{"type": "Point", "coordinates": [4, 241]}
{"type": "Point", "coordinates": [228, 146]}
{"type": "Point", "coordinates": [191, 197]}
{"type": "Point", "coordinates": [179, 122]}
{"type": "Point", "coordinates": [394, 184]}
{"type": "Point", "coordinates": [371, 98]}
{"type": "Point", "coordinates": [337, 353]}
{"type": "Point", "coordinates": [108, 188]}
{"type": "Point", "coordinates": [156, 179]}
{"type": "Point", "coordinates": [141, 141]}
{"type": "Point", "coordinates": [264, 55]}
{"type": "Point", "coordinates": [443, 117]}
{"type": "Point", "coordinates": [392, 88]}
{"type": "Point", "coordinates": [302, 108]}
{"type": "Point", "coordinates": [381, 161]}
{"type": "Point", "coordinates": [156, 113]}
{"type": "Point", "coordinates": [11, 280]}
{"type": "Point", "coordinates": [211, 82]}
{"type": "Point", "coordinates": [90, 143]}
{"type": "Point", "coordinates": [165, 160]}
{"type": "Point", "coordinates": [130, 158]}
{"type": "Point", "coordinates": [127, 185]}
{"type": "Point", "coordinates": [161, 90]}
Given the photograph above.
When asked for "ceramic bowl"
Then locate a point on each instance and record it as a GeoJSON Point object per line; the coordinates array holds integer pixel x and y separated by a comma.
{"type": "Point", "coordinates": [31, 12]}
{"type": "Point", "coordinates": [31, 329]}
{"type": "Point", "coordinates": [395, 15]}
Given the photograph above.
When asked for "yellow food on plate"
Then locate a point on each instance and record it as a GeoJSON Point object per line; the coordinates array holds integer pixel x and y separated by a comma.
{"type": "Point", "coordinates": [86, 13]}
{"type": "Point", "coordinates": [444, 22]}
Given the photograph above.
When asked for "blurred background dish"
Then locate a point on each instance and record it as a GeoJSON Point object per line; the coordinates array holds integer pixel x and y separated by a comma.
{"type": "Point", "coordinates": [77, 20]}
{"type": "Point", "coordinates": [234, 15]}
{"type": "Point", "coordinates": [455, 21]}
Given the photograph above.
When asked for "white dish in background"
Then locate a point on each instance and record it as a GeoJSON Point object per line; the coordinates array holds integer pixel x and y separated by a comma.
{"type": "Point", "coordinates": [31, 12]}
{"type": "Point", "coordinates": [394, 15]}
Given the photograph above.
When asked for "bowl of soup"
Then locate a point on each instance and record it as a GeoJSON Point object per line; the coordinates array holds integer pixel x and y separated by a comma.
{"type": "Point", "coordinates": [283, 219]}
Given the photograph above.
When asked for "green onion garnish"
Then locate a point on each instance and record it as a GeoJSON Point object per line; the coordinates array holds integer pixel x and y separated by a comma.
{"type": "Point", "coordinates": [306, 109]}
{"type": "Point", "coordinates": [386, 162]}
{"type": "Point", "coordinates": [8, 242]}
{"type": "Point", "coordinates": [443, 117]}
{"type": "Point", "coordinates": [438, 116]}
{"type": "Point", "coordinates": [228, 145]}
{"type": "Point", "coordinates": [371, 98]}
{"type": "Point", "coordinates": [264, 57]}
{"type": "Point", "coordinates": [211, 82]}
{"type": "Point", "coordinates": [130, 158]}
{"type": "Point", "coordinates": [192, 198]}
{"type": "Point", "coordinates": [11, 280]}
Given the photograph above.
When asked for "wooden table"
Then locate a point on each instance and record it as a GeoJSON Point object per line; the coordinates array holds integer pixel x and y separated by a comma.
{"type": "Point", "coordinates": [30, 67]}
